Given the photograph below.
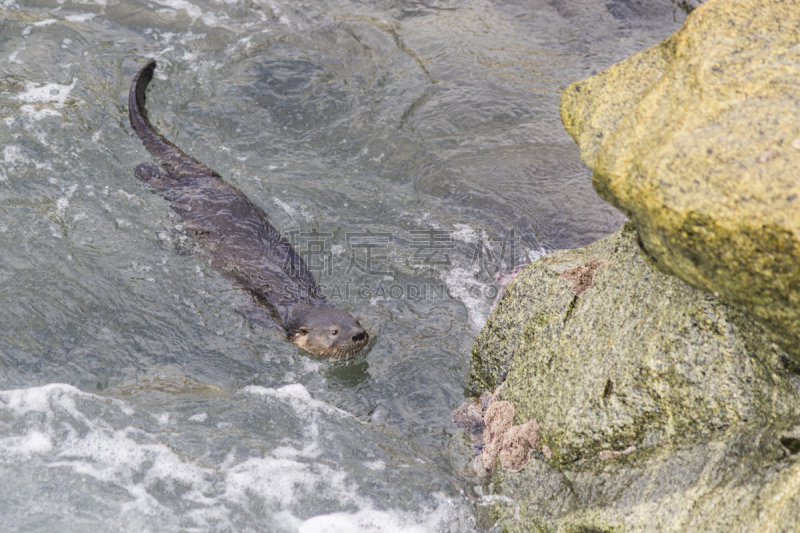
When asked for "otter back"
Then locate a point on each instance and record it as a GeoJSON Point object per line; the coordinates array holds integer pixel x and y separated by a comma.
{"type": "Point", "coordinates": [239, 239]}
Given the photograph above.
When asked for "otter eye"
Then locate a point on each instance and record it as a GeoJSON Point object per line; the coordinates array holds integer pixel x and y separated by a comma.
{"type": "Point", "coordinates": [334, 332]}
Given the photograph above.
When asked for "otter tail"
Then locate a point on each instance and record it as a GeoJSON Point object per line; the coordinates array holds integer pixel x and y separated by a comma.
{"type": "Point", "coordinates": [169, 156]}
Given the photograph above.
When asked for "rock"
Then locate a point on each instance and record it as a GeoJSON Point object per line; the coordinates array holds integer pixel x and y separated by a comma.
{"type": "Point", "coordinates": [469, 416]}
{"type": "Point", "coordinates": [518, 442]}
{"type": "Point", "coordinates": [499, 419]}
{"type": "Point", "coordinates": [697, 140]}
{"type": "Point", "coordinates": [581, 277]}
{"type": "Point", "coordinates": [638, 359]}
{"type": "Point", "coordinates": [741, 479]}
{"type": "Point", "coordinates": [512, 444]}
{"type": "Point", "coordinates": [659, 407]}
{"type": "Point", "coordinates": [610, 454]}
{"type": "Point", "coordinates": [491, 430]}
{"type": "Point", "coordinates": [662, 405]}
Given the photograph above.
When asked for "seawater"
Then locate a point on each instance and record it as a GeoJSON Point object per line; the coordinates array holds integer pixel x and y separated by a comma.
{"type": "Point", "coordinates": [411, 151]}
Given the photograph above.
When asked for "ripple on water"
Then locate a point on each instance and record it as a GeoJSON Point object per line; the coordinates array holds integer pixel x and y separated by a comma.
{"type": "Point", "coordinates": [407, 121]}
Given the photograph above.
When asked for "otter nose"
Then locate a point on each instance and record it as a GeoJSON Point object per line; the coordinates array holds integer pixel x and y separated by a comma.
{"type": "Point", "coordinates": [360, 336]}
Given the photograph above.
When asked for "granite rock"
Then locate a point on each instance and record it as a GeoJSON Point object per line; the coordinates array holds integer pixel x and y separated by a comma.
{"type": "Point", "coordinates": [697, 140]}
{"type": "Point", "coordinates": [659, 407]}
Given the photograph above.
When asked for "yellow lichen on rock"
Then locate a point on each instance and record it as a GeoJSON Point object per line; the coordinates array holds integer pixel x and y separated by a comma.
{"type": "Point", "coordinates": [696, 140]}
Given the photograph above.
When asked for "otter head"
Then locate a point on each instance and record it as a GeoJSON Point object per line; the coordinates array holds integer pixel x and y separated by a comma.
{"type": "Point", "coordinates": [326, 331]}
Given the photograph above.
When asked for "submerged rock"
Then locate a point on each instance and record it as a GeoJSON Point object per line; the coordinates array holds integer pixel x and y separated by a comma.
{"type": "Point", "coordinates": [697, 140]}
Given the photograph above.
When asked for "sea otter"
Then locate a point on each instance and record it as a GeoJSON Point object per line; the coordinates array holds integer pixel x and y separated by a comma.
{"type": "Point", "coordinates": [241, 242]}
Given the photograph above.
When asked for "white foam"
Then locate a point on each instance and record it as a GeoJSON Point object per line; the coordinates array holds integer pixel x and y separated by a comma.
{"type": "Point", "coordinates": [53, 95]}
{"type": "Point", "coordinates": [369, 519]}
{"type": "Point", "coordinates": [286, 207]}
{"type": "Point", "coordinates": [12, 154]}
{"type": "Point", "coordinates": [84, 17]}
{"type": "Point", "coordinates": [48, 93]}
{"type": "Point", "coordinates": [281, 16]}
{"type": "Point", "coordinates": [38, 114]}
{"type": "Point", "coordinates": [39, 399]}
{"type": "Point", "coordinates": [376, 465]}
{"type": "Point", "coordinates": [38, 24]}
{"type": "Point", "coordinates": [57, 428]}
{"type": "Point", "coordinates": [61, 205]}
{"type": "Point", "coordinates": [461, 284]}
{"type": "Point", "coordinates": [297, 396]}
{"type": "Point", "coordinates": [463, 281]}
{"type": "Point", "coordinates": [465, 233]}
{"type": "Point", "coordinates": [126, 458]}
{"type": "Point", "coordinates": [88, 2]}
{"type": "Point", "coordinates": [33, 442]}
{"type": "Point", "coordinates": [211, 20]}
{"type": "Point", "coordinates": [128, 196]}
{"type": "Point", "coordinates": [279, 482]}
{"type": "Point", "coordinates": [63, 202]}
{"type": "Point", "coordinates": [192, 10]}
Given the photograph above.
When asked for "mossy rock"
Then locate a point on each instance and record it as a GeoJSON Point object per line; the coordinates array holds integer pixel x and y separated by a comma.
{"type": "Point", "coordinates": [638, 359]}
{"type": "Point", "coordinates": [705, 405]}
{"type": "Point", "coordinates": [739, 479]}
{"type": "Point", "coordinates": [697, 140]}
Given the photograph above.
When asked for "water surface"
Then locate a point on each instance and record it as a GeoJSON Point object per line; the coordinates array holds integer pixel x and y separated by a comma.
{"type": "Point", "coordinates": [412, 150]}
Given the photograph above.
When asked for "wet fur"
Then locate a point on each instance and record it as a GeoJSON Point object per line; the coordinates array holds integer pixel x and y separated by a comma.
{"type": "Point", "coordinates": [241, 242]}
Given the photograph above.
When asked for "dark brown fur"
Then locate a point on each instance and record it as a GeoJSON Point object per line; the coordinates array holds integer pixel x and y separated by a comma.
{"type": "Point", "coordinates": [241, 242]}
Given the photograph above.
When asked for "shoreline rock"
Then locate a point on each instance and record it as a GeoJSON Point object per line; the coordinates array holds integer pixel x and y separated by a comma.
{"type": "Point", "coordinates": [662, 363]}
{"type": "Point", "coordinates": [697, 140]}
{"type": "Point", "coordinates": [637, 359]}
{"type": "Point", "coordinates": [641, 385]}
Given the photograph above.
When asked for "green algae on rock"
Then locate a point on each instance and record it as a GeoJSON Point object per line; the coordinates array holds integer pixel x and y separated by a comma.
{"type": "Point", "coordinates": [697, 140]}
{"type": "Point", "coordinates": [691, 390]}
{"type": "Point", "coordinates": [669, 406]}
{"type": "Point", "coordinates": [637, 359]}
{"type": "Point", "coordinates": [739, 479]}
